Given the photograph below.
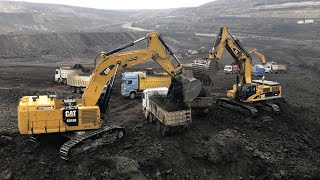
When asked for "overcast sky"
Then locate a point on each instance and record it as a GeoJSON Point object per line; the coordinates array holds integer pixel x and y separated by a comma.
{"type": "Point", "coordinates": [126, 4]}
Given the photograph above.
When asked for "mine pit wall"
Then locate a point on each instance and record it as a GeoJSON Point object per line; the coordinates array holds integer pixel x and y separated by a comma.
{"type": "Point", "coordinates": [56, 47]}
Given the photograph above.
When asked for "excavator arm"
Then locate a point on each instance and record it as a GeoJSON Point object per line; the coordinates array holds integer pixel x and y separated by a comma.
{"type": "Point", "coordinates": [110, 63]}
{"type": "Point", "coordinates": [225, 40]}
{"type": "Point", "coordinates": [261, 56]}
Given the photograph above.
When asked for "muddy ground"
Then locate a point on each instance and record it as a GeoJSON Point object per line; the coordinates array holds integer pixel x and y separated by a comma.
{"type": "Point", "coordinates": [222, 145]}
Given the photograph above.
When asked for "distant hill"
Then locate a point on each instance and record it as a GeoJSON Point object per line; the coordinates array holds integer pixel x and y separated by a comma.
{"type": "Point", "coordinates": [259, 15]}
{"type": "Point", "coordinates": [24, 17]}
{"type": "Point", "coordinates": [261, 8]}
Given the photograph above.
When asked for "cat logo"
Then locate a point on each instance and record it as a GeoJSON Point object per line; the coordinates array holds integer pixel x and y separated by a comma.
{"type": "Point", "coordinates": [132, 59]}
{"type": "Point", "coordinates": [107, 70]}
{"type": "Point", "coordinates": [70, 117]}
{"type": "Point", "coordinates": [72, 113]}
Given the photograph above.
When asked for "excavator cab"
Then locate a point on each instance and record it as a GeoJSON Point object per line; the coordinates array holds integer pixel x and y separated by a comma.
{"type": "Point", "coordinates": [245, 91]}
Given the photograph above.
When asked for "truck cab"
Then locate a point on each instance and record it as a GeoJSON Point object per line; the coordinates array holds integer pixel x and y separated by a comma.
{"type": "Point", "coordinates": [231, 69]}
{"type": "Point", "coordinates": [57, 76]}
{"type": "Point", "coordinates": [150, 92]}
{"type": "Point", "coordinates": [130, 85]}
{"type": "Point", "coordinates": [258, 70]}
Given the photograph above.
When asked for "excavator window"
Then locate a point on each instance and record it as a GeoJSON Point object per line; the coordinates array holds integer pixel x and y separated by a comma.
{"type": "Point", "coordinates": [251, 90]}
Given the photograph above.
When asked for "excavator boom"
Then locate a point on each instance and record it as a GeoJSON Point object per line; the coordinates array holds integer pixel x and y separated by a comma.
{"type": "Point", "coordinates": [157, 49]}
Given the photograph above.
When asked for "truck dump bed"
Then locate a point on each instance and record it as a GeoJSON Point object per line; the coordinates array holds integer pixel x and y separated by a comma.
{"type": "Point", "coordinates": [154, 81]}
{"type": "Point", "coordinates": [78, 81]}
{"type": "Point", "coordinates": [168, 113]}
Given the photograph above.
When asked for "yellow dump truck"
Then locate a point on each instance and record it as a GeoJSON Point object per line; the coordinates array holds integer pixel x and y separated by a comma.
{"type": "Point", "coordinates": [133, 83]}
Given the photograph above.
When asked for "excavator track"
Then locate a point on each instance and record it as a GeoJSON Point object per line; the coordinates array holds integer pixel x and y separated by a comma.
{"type": "Point", "coordinates": [116, 131]}
{"type": "Point", "coordinates": [275, 108]}
{"type": "Point", "coordinates": [232, 104]}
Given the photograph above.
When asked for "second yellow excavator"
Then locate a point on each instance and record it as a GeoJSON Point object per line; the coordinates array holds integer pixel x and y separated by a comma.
{"type": "Point", "coordinates": [247, 94]}
{"type": "Point", "coordinates": [259, 54]}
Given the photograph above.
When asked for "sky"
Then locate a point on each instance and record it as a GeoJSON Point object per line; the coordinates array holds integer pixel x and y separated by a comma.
{"type": "Point", "coordinates": [126, 4]}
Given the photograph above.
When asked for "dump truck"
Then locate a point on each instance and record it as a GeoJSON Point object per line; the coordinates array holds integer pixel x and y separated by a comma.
{"type": "Point", "coordinates": [166, 116]}
{"type": "Point", "coordinates": [63, 73]}
{"type": "Point", "coordinates": [171, 116]}
{"type": "Point", "coordinates": [133, 83]}
{"type": "Point", "coordinates": [78, 83]}
{"type": "Point", "coordinates": [274, 67]}
{"type": "Point", "coordinates": [258, 70]}
{"type": "Point", "coordinates": [231, 69]}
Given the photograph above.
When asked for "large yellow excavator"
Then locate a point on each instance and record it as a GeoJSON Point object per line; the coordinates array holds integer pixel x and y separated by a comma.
{"type": "Point", "coordinates": [82, 119]}
{"type": "Point", "coordinates": [247, 94]}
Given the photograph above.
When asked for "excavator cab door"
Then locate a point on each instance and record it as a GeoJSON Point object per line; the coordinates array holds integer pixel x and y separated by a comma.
{"type": "Point", "coordinates": [245, 91]}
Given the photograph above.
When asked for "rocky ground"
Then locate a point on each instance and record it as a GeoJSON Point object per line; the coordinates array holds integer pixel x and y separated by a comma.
{"type": "Point", "coordinates": [222, 145]}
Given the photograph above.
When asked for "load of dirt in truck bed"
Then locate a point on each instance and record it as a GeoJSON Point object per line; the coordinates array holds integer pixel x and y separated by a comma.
{"type": "Point", "coordinates": [165, 103]}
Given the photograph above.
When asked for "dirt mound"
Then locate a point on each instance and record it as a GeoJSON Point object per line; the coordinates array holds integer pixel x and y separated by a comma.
{"type": "Point", "coordinates": [223, 145]}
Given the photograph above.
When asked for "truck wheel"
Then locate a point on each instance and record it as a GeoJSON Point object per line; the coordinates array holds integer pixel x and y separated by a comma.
{"type": "Point", "coordinates": [78, 90]}
{"type": "Point", "coordinates": [151, 118]}
{"type": "Point", "coordinates": [64, 81]}
{"type": "Point", "coordinates": [132, 95]}
{"type": "Point", "coordinates": [59, 81]}
{"type": "Point", "coordinates": [73, 89]}
{"type": "Point", "coordinates": [159, 126]}
{"type": "Point", "coordinates": [164, 130]}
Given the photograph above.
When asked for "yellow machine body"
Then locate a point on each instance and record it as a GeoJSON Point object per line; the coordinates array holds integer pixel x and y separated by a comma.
{"type": "Point", "coordinates": [44, 114]}
{"type": "Point", "coordinates": [259, 92]}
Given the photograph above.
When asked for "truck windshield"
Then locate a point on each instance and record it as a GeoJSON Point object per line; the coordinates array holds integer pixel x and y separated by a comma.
{"type": "Point", "coordinates": [129, 82]}
{"type": "Point", "coordinates": [57, 72]}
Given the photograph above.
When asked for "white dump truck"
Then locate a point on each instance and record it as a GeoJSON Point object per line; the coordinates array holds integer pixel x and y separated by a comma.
{"type": "Point", "coordinates": [168, 117]}
{"type": "Point", "coordinates": [273, 67]}
{"type": "Point", "coordinates": [156, 112]}
{"type": "Point", "coordinates": [63, 73]}
{"type": "Point", "coordinates": [78, 84]}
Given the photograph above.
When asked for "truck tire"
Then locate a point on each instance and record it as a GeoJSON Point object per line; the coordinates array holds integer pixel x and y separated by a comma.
{"type": "Point", "coordinates": [73, 89]}
{"type": "Point", "coordinates": [159, 126]}
{"type": "Point", "coordinates": [78, 90]}
{"type": "Point", "coordinates": [132, 95]}
{"type": "Point", "coordinates": [59, 81]}
{"type": "Point", "coordinates": [151, 118]}
{"type": "Point", "coordinates": [64, 81]}
{"type": "Point", "coordinates": [164, 130]}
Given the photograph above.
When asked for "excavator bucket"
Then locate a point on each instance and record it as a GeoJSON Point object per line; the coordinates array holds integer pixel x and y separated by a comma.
{"type": "Point", "coordinates": [184, 89]}
{"type": "Point", "coordinates": [205, 69]}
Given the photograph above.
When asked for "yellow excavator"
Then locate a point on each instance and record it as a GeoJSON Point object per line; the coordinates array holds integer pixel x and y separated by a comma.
{"type": "Point", "coordinates": [82, 120]}
{"type": "Point", "coordinates": [259, 54]}
{"type": "Point", "coordinates": [249, 95]}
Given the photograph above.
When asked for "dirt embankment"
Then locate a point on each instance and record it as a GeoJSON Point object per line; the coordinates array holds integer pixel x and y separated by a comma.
{"type": "Point", "coordinates": [223, 145]}
{"type": "Point", "coordinates": [56, 47]}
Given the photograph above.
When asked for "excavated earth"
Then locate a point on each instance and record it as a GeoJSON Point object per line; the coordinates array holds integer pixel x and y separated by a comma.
{"type": "Point", "coordinates": [222, 145]}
